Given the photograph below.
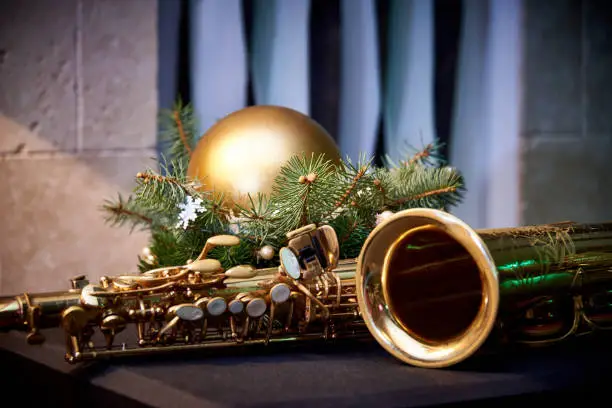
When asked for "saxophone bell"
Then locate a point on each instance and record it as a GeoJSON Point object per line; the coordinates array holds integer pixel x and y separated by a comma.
{"type": "Point", "coordinates": [421, 308]}
{"type": "Point", "coordinates": [431, 290]}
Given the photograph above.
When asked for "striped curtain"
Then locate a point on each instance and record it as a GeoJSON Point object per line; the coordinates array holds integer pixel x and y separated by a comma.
{"type": "Point", "coordinates": [384, 77]}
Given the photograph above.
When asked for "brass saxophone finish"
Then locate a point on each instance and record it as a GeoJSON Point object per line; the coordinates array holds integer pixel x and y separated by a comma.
{"type": "Point", "coordinates": [431, 290]}
{"type": "Point", "coordinates": [428, 288]}
{"type": "Point", "coordinates": [200, 305]}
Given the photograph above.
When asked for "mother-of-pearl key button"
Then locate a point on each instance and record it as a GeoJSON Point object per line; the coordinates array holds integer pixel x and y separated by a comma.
{"type": "Point", "coordinates": [280, 293]}
{"type": "Point", "coordinates": [256, 307]}
{"type": "Point", "coordinates": [235, 306]}
{"type": "Point", "coordinates": [216, 306]}
{"type": "Point", "coordinates": [290, 263]}
{"type": "Point", "coordinates": [224, 240]}
{"type": "Point", "coordinates": [241, 272]}
{"type": "Point", "coordinates": [188, 312]}
{"type": "Point", "coordinates": [205, 265]}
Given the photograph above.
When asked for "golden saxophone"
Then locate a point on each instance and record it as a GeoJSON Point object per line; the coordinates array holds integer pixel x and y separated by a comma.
{"type": "Point", "coordinates": [427, 287]}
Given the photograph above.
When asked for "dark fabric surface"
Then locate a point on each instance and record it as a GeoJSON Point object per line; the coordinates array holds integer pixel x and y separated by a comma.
{"type": "Point", "coordinates": [319, 375]}
{"type": "Point", "coordinates": [32, 384]}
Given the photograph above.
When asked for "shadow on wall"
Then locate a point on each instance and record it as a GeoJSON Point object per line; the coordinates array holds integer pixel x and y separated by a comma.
{"type": "Point", "coordinates": [53, 228]}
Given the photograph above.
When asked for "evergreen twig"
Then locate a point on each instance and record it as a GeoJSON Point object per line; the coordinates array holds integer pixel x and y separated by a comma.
{"type": "Point", "coordinates": [178, 130]}
{"type": "Point", "coordinates": [181, 132]}
{"type": "Point", "coordinates": [164, 193]}
{"type": "Point", "coordinates": [121, 211]}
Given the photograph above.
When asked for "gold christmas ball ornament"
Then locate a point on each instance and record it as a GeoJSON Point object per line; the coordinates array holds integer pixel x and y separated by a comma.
{"type": "Point", "coordinates": [243, 152]}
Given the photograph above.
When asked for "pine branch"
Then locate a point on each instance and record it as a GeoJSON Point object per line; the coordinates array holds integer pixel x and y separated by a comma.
{"type": "Point", "coordinates": [351, 235]}
{"type": "Point", "coordinates": [429, 155]}
{"type": "Point", "coordinates": [350, 178]}
{"type": "Point", "coordinates": [126, 211]}
{"type": "Point", "coordinates": [438, 192]}
{"type": "Point", "coordinates": [178, 132]}
{"type": "Point", "coordinates": [243, 253]}
{"type": "Point", "coordinates": [425, 187]}
{"type": "Point", "coordinates": [164, 193]}
{"type": "Point", "coordinates": [302, 190]}
{"type": "Point", "coordinates": [257, 222]}
{"type": "Point", "coordinates": [215, 218]}
{"type": "Point", "coordinates": [172, 248]}
{"type": "Point", "coordinates": [421, 156]}
{"type": "Point", "coordinates": [181, 132]}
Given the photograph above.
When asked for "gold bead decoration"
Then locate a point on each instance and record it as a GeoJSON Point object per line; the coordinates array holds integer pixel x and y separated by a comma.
{"type": "Point", "coordinates": [266, 252]}
{"type": "Point", "coordinates": [243, 152]}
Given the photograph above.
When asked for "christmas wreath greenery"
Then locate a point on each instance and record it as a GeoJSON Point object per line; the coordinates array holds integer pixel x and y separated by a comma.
{"type": "Point", "coordinates": [351, 197]}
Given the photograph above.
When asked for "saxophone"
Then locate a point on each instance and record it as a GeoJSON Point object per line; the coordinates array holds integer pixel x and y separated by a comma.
{"type": "Point", "coordinates": [427, 287]}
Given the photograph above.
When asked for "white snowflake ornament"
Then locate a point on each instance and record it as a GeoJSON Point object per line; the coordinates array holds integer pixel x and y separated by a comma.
{"type": "Point", "coordinates": [189, 211]}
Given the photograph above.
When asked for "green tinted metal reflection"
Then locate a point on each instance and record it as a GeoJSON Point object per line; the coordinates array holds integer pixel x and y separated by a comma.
{"type": "Point", "coordinates": [516, 265]}
{"type": "Point", "coordinates": [534, 280]}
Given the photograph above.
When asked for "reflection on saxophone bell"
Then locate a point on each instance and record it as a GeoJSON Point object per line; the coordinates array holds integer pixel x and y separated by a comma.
{"type": "Point", "coordinates": [427, 287]}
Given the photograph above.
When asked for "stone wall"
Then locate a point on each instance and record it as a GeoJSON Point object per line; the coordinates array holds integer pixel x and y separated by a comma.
{"type": "Point", "coordinates": [567, 122]}
{"type": "Point", "coordinates": [78, 103]}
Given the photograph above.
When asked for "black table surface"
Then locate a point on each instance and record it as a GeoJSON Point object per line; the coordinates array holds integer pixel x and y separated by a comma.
{"type": "Point", "coordinates": [334, 375]}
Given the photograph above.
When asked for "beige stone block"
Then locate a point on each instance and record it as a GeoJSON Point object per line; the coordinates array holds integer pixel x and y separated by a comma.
{"type": "Point", "coordinates": [119, 42]}
{"type": "Point", "coordinates": [37, 73]}
{"type": "Point", "coordinates": [53, 227]}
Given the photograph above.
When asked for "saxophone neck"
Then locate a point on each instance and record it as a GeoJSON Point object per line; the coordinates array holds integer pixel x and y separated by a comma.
{"type": "Point", "coordinates": [34, 312]}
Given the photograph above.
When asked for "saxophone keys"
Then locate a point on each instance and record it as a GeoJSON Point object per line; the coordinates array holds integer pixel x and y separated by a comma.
{"type": "Point", "coordinates": [218, 240]}
{"type": "Point", "coordinates": [109, 338]}
{"type": "Point", "coordinates": [235, 306]}
{"type": "Point", "coordinates": [224, 240]}
{"type": "Point", "coordinates": [187, 312]}
{"type": "Point", "coordinates": [241, 272]}
{"type": "Point", "coordinates": [242, 296]}
{"type": "Point", "coordinates": [233, 330]}
{"type": "Point", "coordinates": [256, 307]}
{"type": "Point", "coordinates": [78, 282]}
{"type": "Point", "coordinates": [163, 335]}
{"type": "Point", "coordinates": [201, 302]}
{"type": "Point", "coordinates": [290, 263]}
{"type": "Point", "coordinates": [280, 293]}
{"type": "Point", "coordinates": [216, 306]}
{"type": "Point", "coordinates": [88, 297]}
{"type": "Point", "coordinates": [113, 323]}
{"type": "Point", "coordinates": [74, 320]}
{"type": "Point", "coordinates": [140, 328]}
{"type": "Point", "coordinates": [205, 266]}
